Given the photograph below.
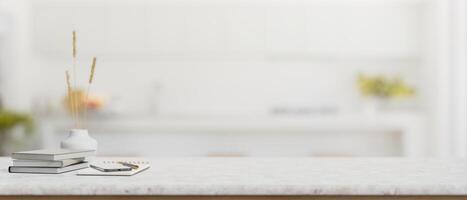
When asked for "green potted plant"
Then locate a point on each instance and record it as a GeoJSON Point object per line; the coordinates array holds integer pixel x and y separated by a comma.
{"type": "Point", "coordinates": [378, 89]}
{"type": "Point", "coordinates": [9, 120]}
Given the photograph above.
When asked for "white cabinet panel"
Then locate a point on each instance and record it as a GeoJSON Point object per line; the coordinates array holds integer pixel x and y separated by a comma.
{"type": "Point", "coordinates": [362, 30]}
{"type": "Point", "coordinates": [53, 25]}
{"type": "Point", "coordinates": [167, 29]}
{"type": "Point", "coordinates": [285, 29]}
{"type": "Point", "coordinates": [207, 29]}
{"type": "Point", "coordinates": [211, 29]}
{"type": "Point", "coordinates": [127, 32]}
{"type": "Point", "coordinates": [246, 30]}
{"type": "Point", "coordinates": [48, 39]}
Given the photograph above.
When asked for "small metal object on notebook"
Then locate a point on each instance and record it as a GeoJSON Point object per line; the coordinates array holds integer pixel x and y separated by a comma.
{"type": "Point", "coordinates": [111, 168]}
{"type": "Point", "coordinates": [133, 166]}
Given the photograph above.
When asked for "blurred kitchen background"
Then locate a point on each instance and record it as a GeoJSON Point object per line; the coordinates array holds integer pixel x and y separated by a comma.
{"type": "Point", "coordinates": [240, 77]}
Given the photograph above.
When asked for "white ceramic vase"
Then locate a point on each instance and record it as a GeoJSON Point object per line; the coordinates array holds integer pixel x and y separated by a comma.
{"type": "Point", "coordinates": [79, 139]}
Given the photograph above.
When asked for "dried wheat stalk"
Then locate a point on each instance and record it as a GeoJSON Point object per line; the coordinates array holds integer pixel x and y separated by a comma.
{"type": "Point", "coordinates": [75, 100]}
{"type": "Point", "coordinates": [70, 94]}
{"type": "Point", "coordinates": [91, 77]}
{"type": "Point", "coordinates": [74, 44]}
{"type": "Point", "coordinates": [75, 104]}
{"type": "Point", "coordinates": [93, 67]}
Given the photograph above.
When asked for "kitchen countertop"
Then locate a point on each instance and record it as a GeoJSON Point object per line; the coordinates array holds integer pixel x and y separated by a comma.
{"type": "Point", "coordinates": [256, 176]}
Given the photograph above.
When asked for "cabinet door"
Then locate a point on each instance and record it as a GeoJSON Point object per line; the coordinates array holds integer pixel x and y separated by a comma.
{"type": "Point", "coordinates": [54, 21]}
{"type": "Point", "coordinates": [285, 29]}
{"type": "Point", "coordinates": [363, 29]}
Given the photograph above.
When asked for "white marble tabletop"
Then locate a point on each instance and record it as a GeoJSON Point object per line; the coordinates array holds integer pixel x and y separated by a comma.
{"type": "Point", "coordinates": [256, 176]}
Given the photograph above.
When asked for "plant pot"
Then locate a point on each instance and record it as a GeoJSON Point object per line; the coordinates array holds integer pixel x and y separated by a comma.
{"type": "Point", "coordinates": [79, 139]}
{"type": "Point", "coordinates": [373, 105]}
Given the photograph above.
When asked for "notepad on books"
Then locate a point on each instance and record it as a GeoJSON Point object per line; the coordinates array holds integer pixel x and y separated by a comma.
{"type": "Point", "coordinates": [143, 165]}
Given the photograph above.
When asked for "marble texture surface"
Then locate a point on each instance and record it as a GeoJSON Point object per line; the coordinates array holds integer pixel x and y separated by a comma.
{"type": "Point", "coordinates": [256, 176]}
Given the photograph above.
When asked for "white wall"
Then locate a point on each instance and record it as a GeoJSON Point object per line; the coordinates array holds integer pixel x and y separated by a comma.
{"type": "Point", "coordinates": [225, 57]}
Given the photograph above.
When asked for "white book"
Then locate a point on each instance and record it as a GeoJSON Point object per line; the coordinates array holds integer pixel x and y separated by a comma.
{"type": "Point", "coordinates": [52, 154]}
{"type": "Point", "coordinates": [47, 170]}
{"type": "Point", "coordinates": [46, 163]}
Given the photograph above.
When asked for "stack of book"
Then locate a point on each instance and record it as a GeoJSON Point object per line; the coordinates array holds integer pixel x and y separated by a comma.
{"type": "Point", "coordinates": [47, 161]}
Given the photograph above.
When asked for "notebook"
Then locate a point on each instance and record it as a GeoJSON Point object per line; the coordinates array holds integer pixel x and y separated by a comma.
{"type": "Point", "coordinates": [46, 163]}
{"type": "Point", "coordinates": [52, 154]}
{"type": "Point", "coordinates": [143, 165]}
{"type": "Point", "coordinates": [47, 170]}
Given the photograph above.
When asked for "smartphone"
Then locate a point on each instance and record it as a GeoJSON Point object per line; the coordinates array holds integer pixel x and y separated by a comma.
{"type": "Point", "coordinates": [111, 167]}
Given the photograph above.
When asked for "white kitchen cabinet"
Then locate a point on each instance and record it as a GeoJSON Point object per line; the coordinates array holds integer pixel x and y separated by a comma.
{"type": "Point", "coordinates": [212, 30]}
{"type": "Point", "coordinates": [340, 135]}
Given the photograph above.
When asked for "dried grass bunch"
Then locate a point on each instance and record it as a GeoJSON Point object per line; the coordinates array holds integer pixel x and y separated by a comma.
{"type": "Point", "coordinates": [73, 98]}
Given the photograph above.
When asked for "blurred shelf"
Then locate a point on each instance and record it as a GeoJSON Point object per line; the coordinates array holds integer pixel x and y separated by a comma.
{"type": "Point", "coordinates": [350, 122]}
